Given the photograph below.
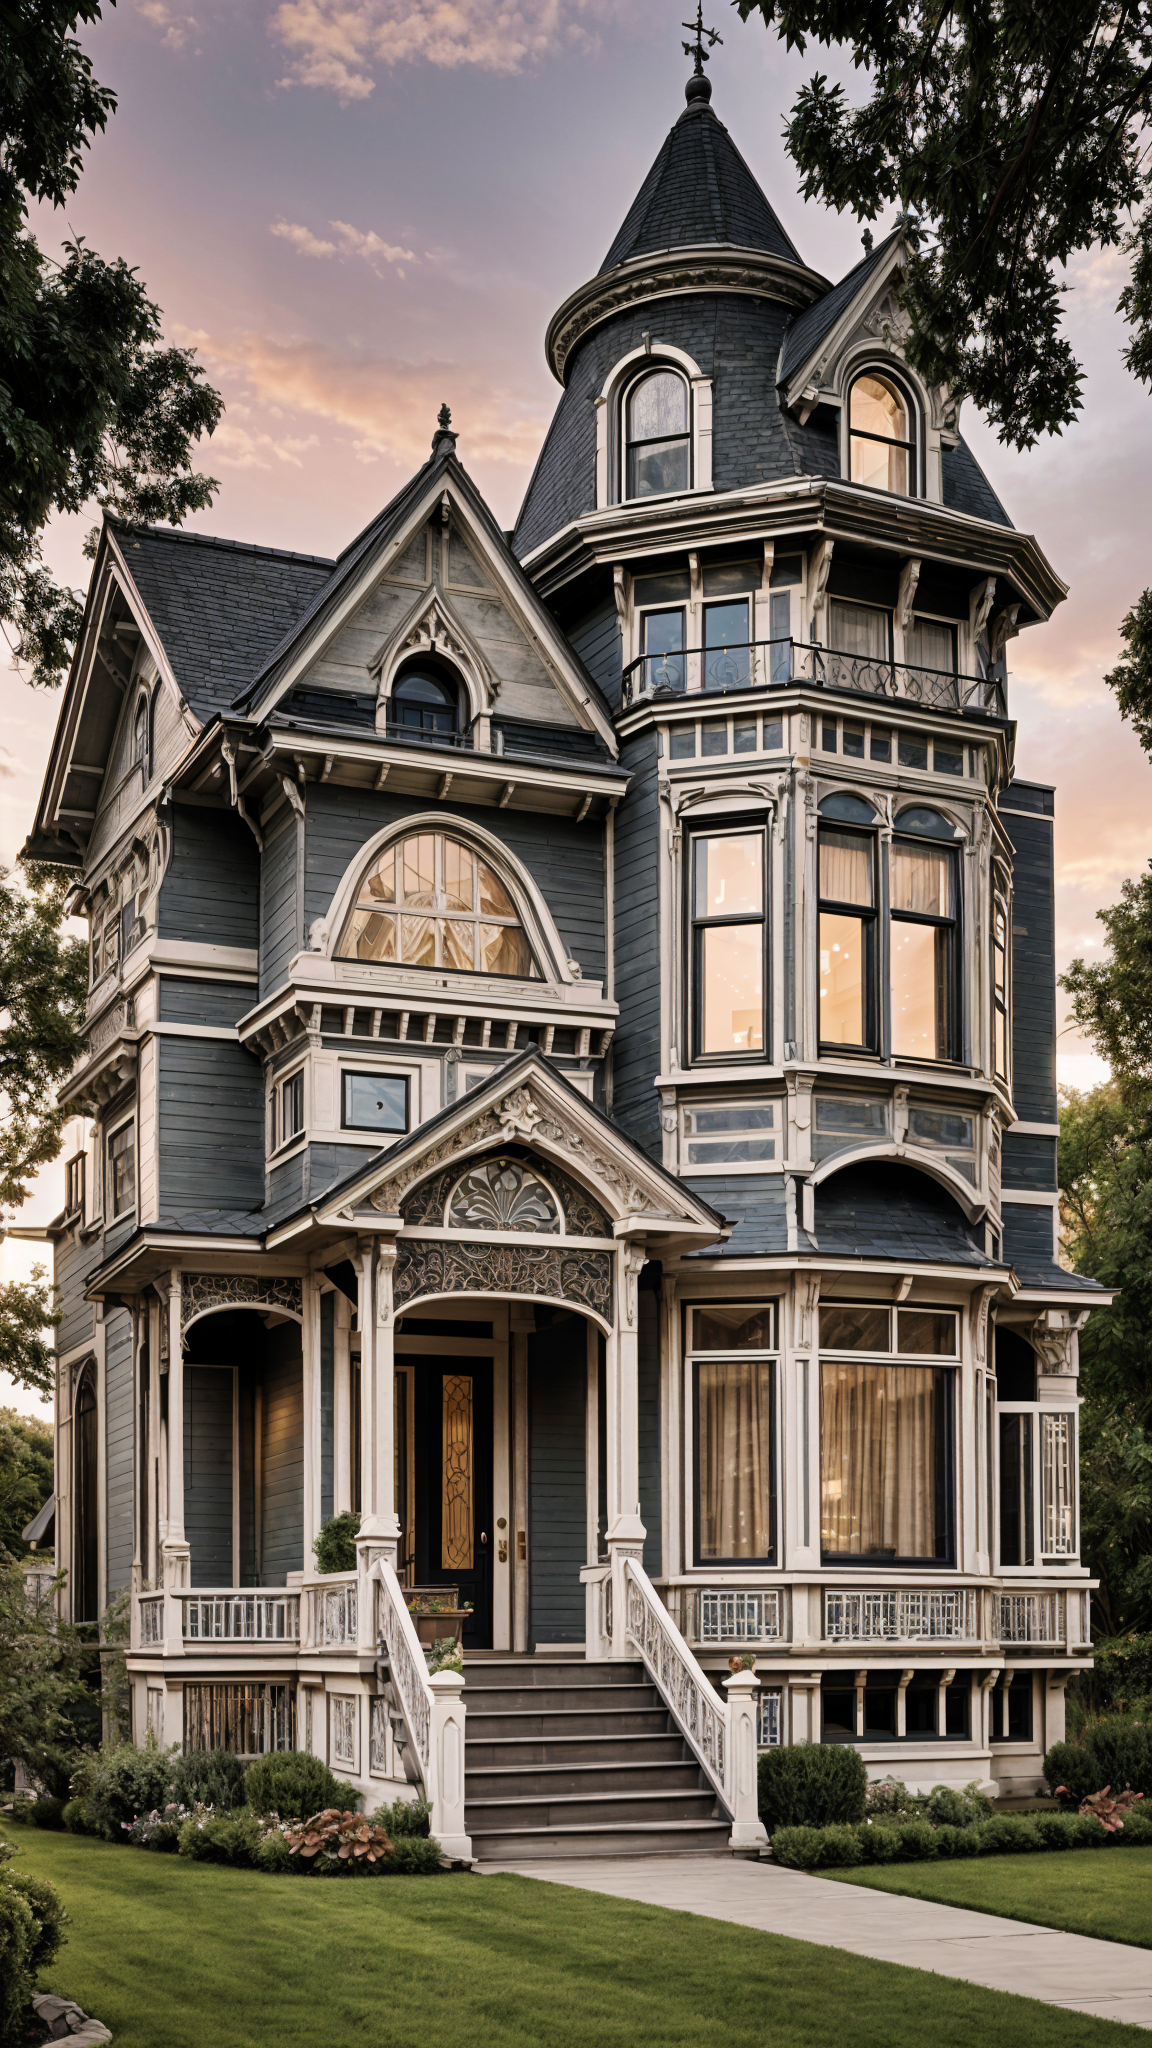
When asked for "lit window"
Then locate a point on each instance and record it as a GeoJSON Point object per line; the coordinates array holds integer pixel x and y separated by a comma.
{"type": "Point", "coordinates": [733, 1369]}
{"type": "Point", "coordinates": [882, 449]}
{"type": "Point", "coordinates": [886, 1432]}
{"type": "Point", "coordinates": [1000, 989]}
{"type": "Point", "coordinates": [375, 1102]}
{"type": "Point", "coordinates": [923, 905]}
{"type": "Point", "coordinates": [847, 938]}
{"type": "Point", "coordinates": [431, 902]}
{"type": "Point", "coordinates": [122, 1170]}
{"type": "Point", "coordinates": [728, 943]}
{"type": "Point", "coordinates": [656, 435]}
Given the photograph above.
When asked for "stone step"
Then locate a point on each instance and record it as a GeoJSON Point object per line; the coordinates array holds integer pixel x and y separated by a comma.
{"type": "Point", "coordinates": [484, 1726]}
{"type": "Point", "coordinates": [644, 1838]}
{"type": "Point", "coordinates": [482, 1671]}
{"type": "Point", "coordinates": [620, 1778]}
{"type": "Point", "coordinates": [499, 1751]}
{"type": "Point", "coordinates": [570, 1809]}
{"type": "Point", "coordinates": [510, 1699]}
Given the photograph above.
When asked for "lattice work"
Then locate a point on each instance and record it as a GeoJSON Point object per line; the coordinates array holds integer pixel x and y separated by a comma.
{"type": "Point", "coordinates": [1028, 1617]}
{"type": "Point", "coordinates": [769, 1718]}
{"type": "Point", "coordinates": [456, 1519]}
{"type": "Point", "coordinates": [944, 1615]}
{"type": "Point", "coordinates": [334, 1614]}
{"type": "Point", "coordinates": [203, 1292]}
{"type": "Point", "coordinates": [736, 1617]}
{"type": "Point", "coordinates": [425, 1266]}
{"type": "Point", "coordinates": [342, 1729]}
{"type": "Point", "coordinates": [248, 1719]}
{"type": "Point", "coordinates": [152, 1621]}
{"type": "Point", "coordinates": [378, 1738]}
{"type": "Point", "coordinates": [409, 1680]}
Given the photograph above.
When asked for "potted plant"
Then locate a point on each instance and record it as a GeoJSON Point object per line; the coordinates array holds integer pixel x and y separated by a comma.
{"type": "Point", "coordinates": [437, 1613]}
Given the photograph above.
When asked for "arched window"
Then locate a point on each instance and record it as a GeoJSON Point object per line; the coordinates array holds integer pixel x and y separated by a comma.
{"type": "Point", "coordinates": [881, 436]}
{"type": "Point", "coordinates": [430, 901]}
{"type": "Point", "coordinates": [656, 435]}
{"type": "Point", "coordinates": [153, 706]}
{"type": "Point", "coordinates": [425, 700]}
{"type": "Point", "coordinates": [85, 1587]}
{"type": "Point", "coordinates": [140, 735]}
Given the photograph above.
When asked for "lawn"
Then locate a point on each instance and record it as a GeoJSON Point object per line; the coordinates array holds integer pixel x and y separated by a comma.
{"type": "Point", "coordinates": [177, 1955]}
{"type": "Point", "coordinates": [1106, 1892]}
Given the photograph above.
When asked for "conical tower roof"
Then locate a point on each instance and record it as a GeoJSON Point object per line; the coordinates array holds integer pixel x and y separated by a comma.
{"type": "Point", "coordinates": [698, 192]}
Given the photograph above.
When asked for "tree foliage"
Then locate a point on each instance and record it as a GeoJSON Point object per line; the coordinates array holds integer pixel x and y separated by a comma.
{"type": "Point", "coordinates": [93, 407]}
{"type": "Point", "coordinates": [1131, 678]}
{"type": "Point", "coordinates": [43, 992]}
{"type": "Point", "coordinates": [26, 1475]}
{"type": "Point", "coordinates": [1011, 137]}
{"type": "Point", "coordinates": [45, 1708]}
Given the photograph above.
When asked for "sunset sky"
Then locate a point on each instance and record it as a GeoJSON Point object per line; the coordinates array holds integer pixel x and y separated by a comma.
{"type": "Point", "coordinates": [355, 209]}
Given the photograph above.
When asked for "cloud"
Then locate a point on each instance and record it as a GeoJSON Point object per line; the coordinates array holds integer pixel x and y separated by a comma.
{"type": "Point", "coordinates": [349, 241]}
{"type": "Point", "coordinates": [177, 27]}
{"type": "Point", "coordinates": [10, 767]}
{"type": "Point", "coordinates": [235, 446]}
{"type": "Point", "coordinates": [336, 44]}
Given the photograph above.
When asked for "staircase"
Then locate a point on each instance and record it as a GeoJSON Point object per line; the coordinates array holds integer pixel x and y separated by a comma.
{"type": "Point", "coordinates": [567, 1758]}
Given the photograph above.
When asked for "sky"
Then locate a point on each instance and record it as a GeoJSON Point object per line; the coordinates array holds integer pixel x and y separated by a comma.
{"type": "Point", "coordinates": [357, 209]}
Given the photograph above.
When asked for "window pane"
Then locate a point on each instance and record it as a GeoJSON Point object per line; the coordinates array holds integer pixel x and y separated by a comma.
{"type": "Point", "coordinates": [380, 885]}
{"type": "Point", "coordinates": [729, 875]}
{"type": "Point", "coordinates": [921, 879]}
{"type": "Point", "coordinates": [457, 876]}
{"type": "Point", "coordinates": [376, 1102]}
{"type": "Point", "coordinates": [122, 1169]}
{"type": "Point", "coordinates": [876, 407]}
{"type": "Point", "coordinates": [732, 988]}
{"type": "Point", "coordinates": [371, 937]}
{"type": "Point", "coordinates": [1016, 1489]}
{"type": "Point", "coordinates": [504, 950]}
{"type": "Point", "coordinates": [418, 870]}
{"type": "Point", "coordinates": [494, 898]}
{"type": "Point", "coordinates": [663, 466]}
{"type": "Point", "coordinates": [927, 1332]}
{"type": "Point", "coordinates": [1001, 1038]}
{"type": "Point", "coordinates": [658, 405]}
{"type": "Point", "coordinates": [732, 1326]}
{"type": "Point", "coordinates": [419, 941]}
{"type": "Point", "coordinates": [734, 1439]}
{"type": "Point", "coordinates": [726, 628]}
{"type": "Point", "coordinates": [854, 1329]}
{"type": "Point", "coordinates": [1058, 1527]}
{"type": "Point", "coordinates": [931, 645]}
{"type": "Point", "coordinates": [663, 638]}
{"type": "Point", "coordinates": [457, 945]}
{"type": "Point", "coordinates": [859, 629]}
{"type": "Point", "coordinates": [882, 1460]}
{"type": "Point", "coordinates": [845, 867]}
{"type": "Point", "coordinates": [919, 992]}
{"type": "Point", "coordinates": [842, 980]}
{"type": "Point", "coordinates": [883, 468]}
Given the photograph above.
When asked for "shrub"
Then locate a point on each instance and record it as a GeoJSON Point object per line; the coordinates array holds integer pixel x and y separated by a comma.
{"type": "Point", "coordinates": [798, 1848]}
{"type": "Point", "coordinates": [48, 1915]}
{"type": "Point", "coordinates": [1070, 1773]}
{"type": "Point", "coordinates": [404, 1818]}
{"type": "Point", "coordinates": [917, 1840]}
{"type": "Point", "coordinates": [1115, 1751]}
{"type": "Point", "coordinates": [335, 1547]}
{"type": "Point", "coordinates": [412, 1856]}
{"type": "Point", "coordinates": [292, 1783]}
{"type": "Point", "coordinates": [19, 1935]}
{"type": "Point", "coordinates": [47, 1812]}
{"type": "Point", "coordinates": [1137, 1828]}
{"type": "Point", "coordinates": [1121, 1675]}
{"type": "Point", "coordinates": [210, 1777]}
{"type": "Point", "coordinates": [274, 1856]}
{"type": "Point", "coordinates": [946, 1807]}
{"type": "Point", "coordinates": [810, 1784]}
{"type": "Point", "coordinates": [79, 1817]}
{"type": "Point", "coordinates": [159, 1830]}
{"type": "Point", "coordinates": [1056, 1830]}
{"type": "Point", "coordinates": [888, 1797]}
{"type": "Point", "coordinates": [207, 1837]}
{"type": "Point", "coordinates": [120, 1783]}
{"type": "Point", "coordinates": [340, 1844]}
{"type": "Point", "coordinates": [957, 1841]}
{"type": "Point", "coordinates": [1008, 1834]}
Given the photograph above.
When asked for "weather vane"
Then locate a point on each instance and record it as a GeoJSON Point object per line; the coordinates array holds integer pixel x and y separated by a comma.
{"type": "Point", "coordinates": [696, 49]}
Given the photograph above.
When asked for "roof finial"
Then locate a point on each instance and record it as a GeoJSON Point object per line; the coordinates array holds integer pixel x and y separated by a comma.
{"type": "Point", "coordinates": [443, 438]}
{"type": "Point", "coordinates": [866, 238]}
{"type": "Point", "coordinates": [444, 416]}
{"type": "Point", "coordinates": [698, 87]}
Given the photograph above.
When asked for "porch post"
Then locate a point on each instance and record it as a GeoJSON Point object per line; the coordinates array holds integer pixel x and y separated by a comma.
{"type": "Point", "coordinates": [626, 1531]}
{"type": "Point", "coordinates": [310, 1349]}
{"type": "Point", "coordinates": [379, 1527]}
{"type": "Point", "coordinates": [176, 1552]}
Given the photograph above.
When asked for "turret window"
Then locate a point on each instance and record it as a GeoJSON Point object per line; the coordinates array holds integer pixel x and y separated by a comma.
{"type": "Point", "coordinates": [431, 902]}
{"type": "Point", "coordinates": [881, 436]}
{"type": "Point", "coordinates": [847, 938]}
{"type": "Point", "coordinates": [657, 435]}
{"type": "Point", "coordinates": [728, 943]}
{"type": "Point", "coordinates": [923, 905]}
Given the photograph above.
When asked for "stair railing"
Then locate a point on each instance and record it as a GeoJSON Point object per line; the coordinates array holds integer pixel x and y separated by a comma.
{"type": "Point", "coordinates": [426, 1712]}
{"type": "Point", "coordinates": [721, 1732]}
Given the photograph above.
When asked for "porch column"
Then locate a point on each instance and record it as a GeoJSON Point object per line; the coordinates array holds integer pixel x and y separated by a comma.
{"type": "Point", "coordinates": [378, 1518]}
{"type": "Point", "coordinates": [310, 1346]}
{"type": "Point", "coordinates": [176, 1561]}
{"type": "Point", "coordinates": [626, 1531]}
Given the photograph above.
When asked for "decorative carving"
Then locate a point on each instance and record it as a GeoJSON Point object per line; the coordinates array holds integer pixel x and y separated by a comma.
{"type": "Point", "coordinates": [807, 1299]}
{"type": "Point", "coordinates": [987, 1297]}
{"type": "Point", "coordinates": [633, 1259]}
{"type": "Point", "coordinates": [385, 1265]}
{"type": "Point", "coordinates": [1054, 1335]}
{"type": "Point", "coordinates": [500, 1194]}
{"type": "Point", "coordinates": [654, 278]}
{"type": "Point", "coordinates": [427, 1266]}
{"type": "Point", "coordinates": [203, 1292]}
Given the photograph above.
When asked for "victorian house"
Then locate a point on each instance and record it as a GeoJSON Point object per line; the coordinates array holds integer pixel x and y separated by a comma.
{"type": "Point", "coordinates": [570, 1077]}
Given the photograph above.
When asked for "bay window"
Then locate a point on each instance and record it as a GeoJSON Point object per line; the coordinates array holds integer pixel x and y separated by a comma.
{"type": "Point", "coordinates": [922, 892]}
{"type": "Point", "coordinates": [728, 942]}
{"type": "Point", "coordinates": [847, 938]}
{"type": "Point", "coordinates": [886, 1433]}
{"type": "Point", "coordinates": [731, 1349]}
{"type": "Point", "coordinates": [1000, 989]}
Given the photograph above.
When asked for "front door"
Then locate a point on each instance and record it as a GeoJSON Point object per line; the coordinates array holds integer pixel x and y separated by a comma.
{"type": "Point", "coordinates": [452, 1511]}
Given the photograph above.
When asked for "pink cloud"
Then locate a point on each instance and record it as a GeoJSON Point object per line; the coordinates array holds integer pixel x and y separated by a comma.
{"type": "Point", "coordinates": [337, 45]}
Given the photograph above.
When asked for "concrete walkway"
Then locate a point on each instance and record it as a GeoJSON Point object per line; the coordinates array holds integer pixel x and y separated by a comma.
{"type": "Point", "coordinates": [1108, 1979]}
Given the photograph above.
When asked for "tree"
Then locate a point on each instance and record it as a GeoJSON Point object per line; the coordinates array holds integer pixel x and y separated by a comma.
{"type": "Point", "coordinates": [1131, 678]}
{"type": "Point", "coordinates": [1011, 137]}
{"type": "Point", "coordinates": [92, 406]}
{"type": "Point", "coordinates": [26, 1475]}
{"type": "Point", "coordinates": [46, 1710]}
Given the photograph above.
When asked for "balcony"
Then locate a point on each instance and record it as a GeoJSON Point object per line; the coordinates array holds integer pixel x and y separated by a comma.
{"type": "Point", "coordinates": [776, 664]}
{"type": "Point", "coordinates": [904, 1615]}
{"type": "Point", "coordinates": [240, 1617]}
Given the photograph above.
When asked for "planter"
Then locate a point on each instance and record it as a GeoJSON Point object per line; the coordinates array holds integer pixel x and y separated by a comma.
{"type": "Point", "coordinates": [439, 1628]}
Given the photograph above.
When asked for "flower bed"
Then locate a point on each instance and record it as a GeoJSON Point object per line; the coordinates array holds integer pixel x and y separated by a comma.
{"type": "Point", "coordinates": [901, 1828]}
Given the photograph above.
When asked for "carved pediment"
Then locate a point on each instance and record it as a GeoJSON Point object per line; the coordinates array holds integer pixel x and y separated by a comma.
{"type": "Point", "coordinates": [433, 628]}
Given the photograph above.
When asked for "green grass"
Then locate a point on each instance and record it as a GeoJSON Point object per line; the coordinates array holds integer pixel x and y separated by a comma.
{"type": "Point", "coordinates": [1105, 1892]}
{"type": "Point", "coordinates": [179, 1955]}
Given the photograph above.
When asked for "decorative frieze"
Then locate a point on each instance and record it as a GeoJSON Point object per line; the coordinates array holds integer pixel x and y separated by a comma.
{"type": "Point", "coordinates": [425, 1266]}
{"type": "Point", "coordinates": [203, 1292]}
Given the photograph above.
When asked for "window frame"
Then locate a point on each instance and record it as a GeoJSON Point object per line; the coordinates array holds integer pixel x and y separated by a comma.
{"type": "Point", "coordinates": [1001, 1004]}
{"type": "Point", "coordinates": [869, 919]}
{"type": "Point", "coordinates": [437, 912]}
{"type": "Point", "coordinates": [946, 1451]}
{"type": "Point", "coordinates": [114, 1214]}
{"type": "Point", "coordinates": [771, 1355]}
{"type": "Point", "coordinates": [882, 373]}
{"type": "Point", "coordinates": [695, 926]}
{"type": "Point", "coordinates": [1041, 1560]}
{"type": "Point", "coordinates": [953, 1010]}
{"type": "Point", "coordinates": [75, 1176]}
{"type": "Point", "coordinates": [280, 1085]}
{"type": "Point", "coordinates": [368, 1074]}
{"type": "Point", "coordinates": [653, 366]}
{"type": "Point", "coordinates": [655, 611]}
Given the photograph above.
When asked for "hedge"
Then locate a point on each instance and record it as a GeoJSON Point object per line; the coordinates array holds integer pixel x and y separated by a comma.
{"type": "Point", "coordinates": [916, 1841]}
{"type": "Point", "coordinates": [1115, 1751]}
{"type": "Point", "coordinates": [811, 1784]}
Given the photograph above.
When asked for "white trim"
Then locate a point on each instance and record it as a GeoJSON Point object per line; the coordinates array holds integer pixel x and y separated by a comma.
{"type": "Point", "coordinates": [609, 436]}
{"type": "Point", "coordinates": [1028, 1198]}
{"type": "Point", "coordinates": [226, 1031]}
{"type": "Point", "coordinates": [1027, 1130]}
{"type": "Point", "coordinates": [1035, 817]}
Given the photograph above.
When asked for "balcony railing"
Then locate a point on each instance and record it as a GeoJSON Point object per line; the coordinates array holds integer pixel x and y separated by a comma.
{"type": "Point", "coordinates": [241, 1617]}
{"type": "Point", "coordinates": [1028, 1617]}
{"type": "Point", "coordinates": [773, 664]}
{"type": "Point", "coordinates": [334, 1614]}
{"type": "Point", "coordinates": [729, 1616]}
{"type": "Point", "coordinates": [905, 1615]}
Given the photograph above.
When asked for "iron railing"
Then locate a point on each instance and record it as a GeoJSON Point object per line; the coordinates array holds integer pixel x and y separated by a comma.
{"type": "Point", "coordinates": [771, 664]}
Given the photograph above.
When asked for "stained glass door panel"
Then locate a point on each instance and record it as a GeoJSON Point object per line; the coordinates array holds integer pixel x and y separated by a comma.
{"type": "Point", "coordinates": [453, 1470]}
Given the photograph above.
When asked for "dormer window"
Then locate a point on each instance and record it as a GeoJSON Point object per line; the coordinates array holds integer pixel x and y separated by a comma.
{"type": "Point", "coordinates": [881, 436]}
{"type": "Point", "coordinates": [425, 700]}
{"type": "Point", "coordinates": [657, 435]}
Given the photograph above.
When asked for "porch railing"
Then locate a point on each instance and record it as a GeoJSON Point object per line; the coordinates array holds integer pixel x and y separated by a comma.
{"type": "Point", "coordinates": [426, 1713]}
{"type": "Point", "coordinates": [902, 1615]}
{"type": "Point", "coordinates": [241, 1617]}
{"type": "Point", "coordinates": [726, 1615]}
{"type": "Point", "coordinates": [1029, 1617]}
{"type": "Point", "coordinates": [334, 1613]}
{"type": "Point", "coordinates": [773, 664]}
{"type": "Point", "coordinates": [721, 1731]}
{"type": "Point", "coordinates": [151, 1620]}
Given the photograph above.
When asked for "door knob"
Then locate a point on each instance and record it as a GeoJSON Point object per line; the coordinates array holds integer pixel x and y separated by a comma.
{"type": "Point", "coordinates": [483, 1536]}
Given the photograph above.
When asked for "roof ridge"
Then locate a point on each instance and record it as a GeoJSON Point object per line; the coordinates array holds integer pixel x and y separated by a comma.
{"type": "Point", "coordinates": [212, 540]}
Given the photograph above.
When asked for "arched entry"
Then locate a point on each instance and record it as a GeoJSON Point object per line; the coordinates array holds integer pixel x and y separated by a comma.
{"type": "Point", "coordinates": [85, 1527]}
{"type": "Point", "coordinates": [244, 1447]}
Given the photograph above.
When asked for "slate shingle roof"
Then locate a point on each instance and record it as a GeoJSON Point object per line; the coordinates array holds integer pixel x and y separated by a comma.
{"type": "Point", "coordinates": [887, 1211]}
{"type": "Point", "coordinates": [699, 190]}
{"type": "Point", "coordinates": [808, 329]}
{"type": "Point", "coordinates": [219, 606]}
{"type": "Point", "coordinates": [967, 489]}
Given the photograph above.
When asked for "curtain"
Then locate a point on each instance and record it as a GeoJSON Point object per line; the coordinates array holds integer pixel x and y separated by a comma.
{"type": "Point", "coordinates": [930, 645]}
{"type": "Point", "coordinates": [880, 1438]}
{"type": "Point", "coordinates": [858, 628]}
{"type": "Point", "coordinates": [845, 867]}
{"type": "Point", "coordinates": [921, 879]}
{"type": "Point", "coordinates": [734, 1436]}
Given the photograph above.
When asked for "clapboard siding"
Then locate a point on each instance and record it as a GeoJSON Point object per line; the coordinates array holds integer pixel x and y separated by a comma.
{"type": "Point", "coordinates": [118, 1450]}
{"type": "Point", "coordinates": [186, 1000]}
{"type": "Point", "coordinates": [307, 1175]}
{"type": "Point", "coordinates": [557, 1507]}
{"type": "Point", "coordinates": [210, 892]}
{"type": "Point", "coordinates": [1028, 1163]}
{"type": "Point", "coordinates": [564, 859]}
{"type": "Point", "coordinates": [208, 1473]}
{"type": "Point", "coordinates": [282, 1520]}
{"type": "Point", "coordinates": [327, 1403]}
{"type": "Point", "coordinates": [1028, 1234]}
{"type": "Point", "coordinates": [74, 1262]}
{"type": "Point", "coordinates": [596, 639]}
{"type": "Point", "coordinates": [1033, 959]}
{"type": "Point", "coordinates": [648, 1375]}
{"type": "Point", "coordinates": [280, 937]}
{"type": "Point", "coordinates": [636, 1047]}
{"type": "Point", "coordinates": [211, 1126]}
